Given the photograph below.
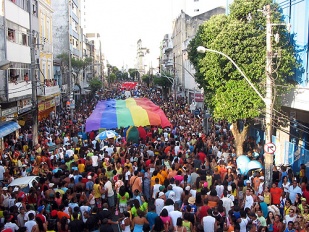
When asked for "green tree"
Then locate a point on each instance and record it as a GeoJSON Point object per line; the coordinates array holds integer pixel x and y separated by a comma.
{"type": "Point", "coordinates": [134, 74]}
{"type": "Point", "coordinates": [95, 84]}
{"type": "Point", "coordinates": [228, 95]}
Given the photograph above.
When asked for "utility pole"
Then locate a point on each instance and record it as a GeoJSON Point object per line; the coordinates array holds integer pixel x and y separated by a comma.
{"type": "Point", "coordinates": [175, 80]}
{"type": "Point", "coordinates": [268, 158]}
{"type": "Point", "coordinates": [33, 82]}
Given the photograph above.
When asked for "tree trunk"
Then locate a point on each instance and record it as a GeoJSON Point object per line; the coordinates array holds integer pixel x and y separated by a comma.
{"type": "Point", "coordinates": [239, 137]}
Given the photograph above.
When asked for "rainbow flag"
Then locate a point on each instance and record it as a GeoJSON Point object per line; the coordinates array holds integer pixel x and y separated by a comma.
{"type": "Point", "coordinates": [112, 114]}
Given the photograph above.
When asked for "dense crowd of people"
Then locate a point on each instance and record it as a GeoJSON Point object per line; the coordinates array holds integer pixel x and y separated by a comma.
{"type": "Point", "coordinates": [183, 179]}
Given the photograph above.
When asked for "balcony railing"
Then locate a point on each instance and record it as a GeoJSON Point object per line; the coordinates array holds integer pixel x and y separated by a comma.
{"type": "Point", "coordinates": [47, 90]}
{"type": "Point", "coordinates": [19, 89]}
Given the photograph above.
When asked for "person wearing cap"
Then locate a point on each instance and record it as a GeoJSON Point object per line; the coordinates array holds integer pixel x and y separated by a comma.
{"type": "Point", "coordinates": [159, 202]}
{"type": "Point", "coordinates": [40, 213]}
{"type": "Point", "coordinates": [261, 186]}
{"type": "Point", "coordinates": [5, 197]}
{"type": "Point", "coordinates": [302, 205]}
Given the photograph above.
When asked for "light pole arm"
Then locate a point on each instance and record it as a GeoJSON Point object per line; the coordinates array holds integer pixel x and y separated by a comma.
{"type": "Point", "coordinates": [202, 49]}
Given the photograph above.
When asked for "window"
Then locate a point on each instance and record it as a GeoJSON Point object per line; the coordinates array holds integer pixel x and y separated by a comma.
{"type": "Point", "coordinates": [42, 26]}
{"type": "Point", "coordinates": [24, 39]}
{"type": "Point", "coordinates": [22, 4]}
{"type": "Point", "coordinates": [17, 34]}
{"type": "Point", "coordinates": [18, 72]}
{"type": "Point", "coordinates": [48, 72]}
{"type": "Point", "coordinates": [47, 29]}
{"type": "Point", "coordinates": [196, 10]}
{"type": "Point", "coordinates": [11, 35]}
{"type": "Point", "coordinates": [35, 8]}
{"type": "Point", "coordinates": [44, 70]}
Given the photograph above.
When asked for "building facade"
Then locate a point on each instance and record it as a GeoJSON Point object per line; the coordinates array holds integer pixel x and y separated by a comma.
{"type": "Point", "coordinates": [18, 37]}
{"type": "Point", "coordinates": [48, 91]}
{"type": "Point", "coordinates": [184, 29]}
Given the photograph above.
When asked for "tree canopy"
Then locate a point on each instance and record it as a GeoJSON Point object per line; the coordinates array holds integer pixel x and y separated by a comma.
{"type": "Point", "coordinates": [227, 93]}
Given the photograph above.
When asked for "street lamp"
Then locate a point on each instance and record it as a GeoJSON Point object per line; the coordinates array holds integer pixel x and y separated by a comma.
{"type": "Point", "coordinates": [268, 103]}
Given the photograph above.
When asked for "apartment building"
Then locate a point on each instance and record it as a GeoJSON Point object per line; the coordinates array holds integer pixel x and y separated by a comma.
{"type": "Point", "coordinates": [17, 36]}
{"type": "Point", "coordinates": [48, 91]}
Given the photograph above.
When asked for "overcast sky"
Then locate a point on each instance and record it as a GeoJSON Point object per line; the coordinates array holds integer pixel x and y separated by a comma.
{"type": "Point", "coordinates": [121, 23]}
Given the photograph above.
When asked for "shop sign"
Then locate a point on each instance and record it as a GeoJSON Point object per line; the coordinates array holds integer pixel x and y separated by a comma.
{"type": "Point", "coordinates": [9, 111]}
{"type": "Point", "coordinates": [24, 109]}
{"type": "Point", "coordinates": [41, 106]}
{"type": "Point", "coordinates": [49, 104]}
{"type": "Point", "coordinates": [9, 117]}
{"type": "Point", "coordinates": [199, 97]}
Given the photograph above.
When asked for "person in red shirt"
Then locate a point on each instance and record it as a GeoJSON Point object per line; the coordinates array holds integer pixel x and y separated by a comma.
{"type": "Point", "coordinates": [202, 156]}
{"type": "Point", "coordinates": [306, 194]}
{"type": "Point", "coordinates": [275, 192]}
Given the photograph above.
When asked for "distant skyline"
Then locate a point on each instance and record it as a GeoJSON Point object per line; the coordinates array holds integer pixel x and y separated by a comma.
{"type": "Point", "coordinates": [121, 23]}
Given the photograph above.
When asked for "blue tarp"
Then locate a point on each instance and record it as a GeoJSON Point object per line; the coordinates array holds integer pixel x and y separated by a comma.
{"type": "Point", "coordinates": [7, 128]}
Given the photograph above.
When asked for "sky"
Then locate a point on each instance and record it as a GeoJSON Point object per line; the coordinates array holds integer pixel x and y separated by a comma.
{"type": "Point", "coordinates": [121, 23]}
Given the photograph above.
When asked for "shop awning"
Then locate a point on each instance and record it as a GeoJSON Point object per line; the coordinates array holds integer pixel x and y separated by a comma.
{"type": "Point", "coordinates": [7, 128]}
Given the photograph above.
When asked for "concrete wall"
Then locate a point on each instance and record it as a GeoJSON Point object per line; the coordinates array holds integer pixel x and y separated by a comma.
{"type": "Point", "coordinates": [60, 26]}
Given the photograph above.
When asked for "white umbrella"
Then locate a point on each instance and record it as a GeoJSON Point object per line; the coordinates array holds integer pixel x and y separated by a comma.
{"type": "Point", "coordinates": [108, 134]}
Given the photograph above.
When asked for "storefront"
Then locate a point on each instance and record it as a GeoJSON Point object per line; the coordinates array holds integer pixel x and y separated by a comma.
{"type": "Point", "coordinates": [45, 108]}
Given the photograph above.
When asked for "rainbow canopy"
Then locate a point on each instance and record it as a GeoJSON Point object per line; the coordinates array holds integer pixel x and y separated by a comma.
{"type": "Point", "coordinates": [113, 113]}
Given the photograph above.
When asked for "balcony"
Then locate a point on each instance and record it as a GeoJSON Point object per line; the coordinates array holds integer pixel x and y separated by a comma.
{"type": "Point", "coordinates": [75, 34]}
{"type": "Point", "coordinates": [169, 63]}
{"type": "Point", "coordinates": [74, 16]}
{"type": "Point", "coordinates": [19, 90]}
{"type": "Point", "coordinates": [44, 91]}
{"type": "Point", "coordinates": [76, 52]}
{"type": "Point", "coordinates": [169, 46]}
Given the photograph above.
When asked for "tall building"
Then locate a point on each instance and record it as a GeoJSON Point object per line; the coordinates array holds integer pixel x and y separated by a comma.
{"type": "Point", "coordinates": [67, 39]}
{"type": "Point", "coordinates": [184, 29]}
{"type": "Point", "coordinates": [19, 31]}
{"type": "Point", "coordinates": [142, 65]}
{"type": "Point", "coordinates": [48, 91]}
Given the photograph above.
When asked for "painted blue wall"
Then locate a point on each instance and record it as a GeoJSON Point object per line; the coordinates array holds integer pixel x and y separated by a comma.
{"type": "Point", "coordinates": [296, 12]}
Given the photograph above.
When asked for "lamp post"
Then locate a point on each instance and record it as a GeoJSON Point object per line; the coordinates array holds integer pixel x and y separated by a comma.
{"type": "Point", "coordinates": [267, 100]}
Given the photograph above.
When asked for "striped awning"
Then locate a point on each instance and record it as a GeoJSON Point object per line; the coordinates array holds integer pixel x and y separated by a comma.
{"type": "Point", "coordinates": [7, 128]}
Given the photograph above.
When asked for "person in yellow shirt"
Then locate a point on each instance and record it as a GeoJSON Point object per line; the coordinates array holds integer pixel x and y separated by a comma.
{"type": "Point", "coordinates": [164, 172]}
{"type": "Point", "coordinates": [129, 165]}
{"type": "Point", "coordinates": [153, 178]}
{"type": "Point", "coordinates": [81, 167]}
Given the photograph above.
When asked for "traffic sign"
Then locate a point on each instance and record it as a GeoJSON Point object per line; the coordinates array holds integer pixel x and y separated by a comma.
{"type": "Point", "coordinates": [270, 148]}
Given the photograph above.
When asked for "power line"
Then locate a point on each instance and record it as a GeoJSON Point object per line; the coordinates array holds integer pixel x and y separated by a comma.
{"type": "Point", "coordinates": [283, 115]}
{"type": "Point", "coordinates": [285, 131]}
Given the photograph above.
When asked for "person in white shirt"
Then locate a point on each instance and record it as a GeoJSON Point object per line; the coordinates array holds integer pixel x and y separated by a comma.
{"type": "Point", "coordinates": [209, 222]}
{"type": "Point", "coordinates": [248, 200]}
{"type": "Point", "coordinates": [178, 192]}
{"type": "Point", "coordinates": [159, 202]}
{"type": "Point", "coordinates": [110, 192]}
{"type": "Point", "coordinates": [219, 188]}
{"type": "Point", "coordinates": [95, 159]}
{"type": "Point", "coordinates": [227, 202]}
{"type": "Point", "coordinates": [2, 171]}
{"type": "Point", "coordinates": [155, 188]}
{"type": "Point", "coordinates": [10, 224]}
{"type": "Point", "coordinates": [175, 214]}
{"type": "Point", "coordinates": [31, 223]}
{"type": "Point", "coordinates": [290, 217]}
